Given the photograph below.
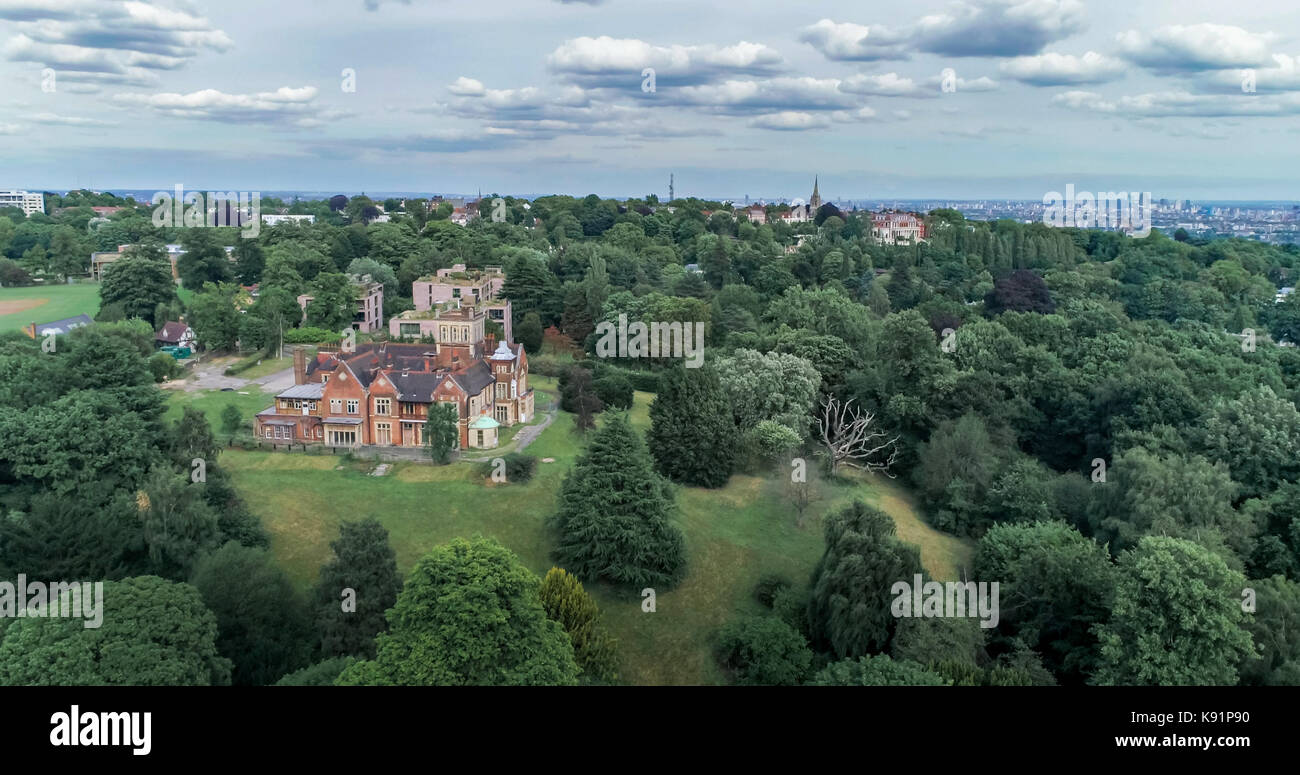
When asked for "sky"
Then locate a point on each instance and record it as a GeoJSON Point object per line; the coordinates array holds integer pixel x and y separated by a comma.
{"type": "Point", "coordinates": [964, 100]}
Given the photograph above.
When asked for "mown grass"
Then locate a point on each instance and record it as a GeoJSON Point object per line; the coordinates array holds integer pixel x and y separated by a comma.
{"type": "Point", "coordinates": [250, 401]}
{"type": "Point", "coordinates": [59, 302]}
{"type": "Point", "coordinates": [734, 534]}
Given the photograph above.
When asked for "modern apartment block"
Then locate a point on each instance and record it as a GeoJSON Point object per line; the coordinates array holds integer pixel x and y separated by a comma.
{"type": "Point", "coordinates": [27, 201]}
{"type": "Point", "coordinates": [369, 316]}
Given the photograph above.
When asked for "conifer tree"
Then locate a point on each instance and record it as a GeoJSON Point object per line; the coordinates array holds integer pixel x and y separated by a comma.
{"type": "Point", "coordinates": [692, 435]}
{"type": "Point", "coordinates": [364, 563]}
{"type": "Point", "coordinates": [568, 603]}
{"type": "Point", "coordinates": [614, 521]}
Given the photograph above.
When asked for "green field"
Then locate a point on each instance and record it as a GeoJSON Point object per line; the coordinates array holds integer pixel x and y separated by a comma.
{"type": "Point", "coordinates": [734, 534]}
{"type": "Point", "coordinates": [56, 302]}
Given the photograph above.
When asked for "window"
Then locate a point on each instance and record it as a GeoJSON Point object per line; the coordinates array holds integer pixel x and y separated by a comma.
{"type": "Point", "coordinates": [503, 414]}
{"type": "Point", "coordinates": [383, 433]}
{"type": "Point", "coordinates": [318, 433]}
{"type": "Point", "coordinates": [383, 405]}
{"type": "Point", "coordinates": [501, 390]}
{"type": "Point", "coordinates": [336, 405]}
{"type": "Point", "coordinates": [480, 438]}
{"type": "Point", "coordinates": [267, 431]}
{"type": "Point", "coordinates": [353, 405]}
{"type": "Point", "coordinates": [408, 407]}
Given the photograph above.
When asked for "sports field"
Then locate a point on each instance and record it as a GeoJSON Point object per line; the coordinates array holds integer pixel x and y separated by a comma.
{"type": "Point", "coordinates": [43, 304]}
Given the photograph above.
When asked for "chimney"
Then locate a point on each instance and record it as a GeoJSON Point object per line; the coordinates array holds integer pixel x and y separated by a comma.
{"type": "Point", "coordinates": [299, 366]}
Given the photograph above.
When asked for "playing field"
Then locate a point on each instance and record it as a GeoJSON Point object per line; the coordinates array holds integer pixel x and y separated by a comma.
{"type": "Point", "coordinates": [43, 304]}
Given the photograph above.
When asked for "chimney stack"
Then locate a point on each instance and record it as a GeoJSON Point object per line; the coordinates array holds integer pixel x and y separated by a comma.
{"type": "Point", "coordinates": [299, 366]}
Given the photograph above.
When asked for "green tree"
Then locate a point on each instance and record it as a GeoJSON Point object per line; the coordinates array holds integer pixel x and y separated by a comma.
{"type": "Point", "coordinates": [356, 587]}
{"type": "Point", "coordinates": [153, 633]}
{"type": "Point", "coordinates": [692, 436]}
{"type": "Point", "coordinates": [138, 282]}
{"type": "Point", "coordinates": [878, 670]}
{"type": "Point", "coordinates": [764, 651]}
{"type": "Point", "coordinates": [614, 521]}
{"type": "Point", "coordinates": [529, 333]}
{"type": "Point", "coordinates": [262, 624]}
{"type": "Point", "coordinates": [214, 317]}
{"type": "Point", "coordinates": [849, 608]}
{"type": "Point", "coordinates": [469, 615]}
{"type": "Point", "coordinates": [566, 602]}
{"type": "Point", "coordinates": [231, 420]}
{"type": "Point", "coordinates": [442, 431]}
{"type": "Point", "coordinates": [1177, 619]}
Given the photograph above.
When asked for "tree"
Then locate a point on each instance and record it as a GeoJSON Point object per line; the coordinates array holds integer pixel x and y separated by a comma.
{"type": "Point", "coordinates": [1256, 435]}
{"type": "Point", "coordinates": [1020, 291]}
{"type": "Point", "coordinates": [191, 439]}
{"type": "Point", "coordinates": [1177, 619]}
{"type": "Point", "coordinates": [853, 438]}
{"type": "Point", "coordinates": [614, 521]}
{"type": "Point", "coordinates": [764, 651]}
{"type": "Point", "coordinates": [878, 670]}
{"type": "Point", "coordinates": [442, 431]}
{"type": "Point", "coordinates": [1056, 586]}
{"type": "Point", "coordinates": [529, 333]}
{"type": "Point", "coordinates": [849, 608]}
{"type": "Point", "coordinates": [231, 420]}
{"type": "Point", "coordinates": [153, 633]}
{"type": "Point", "coordinates": [204, 261]}
{"type": "Point", "coordinates": [214, 317]}
{"type": "Point", "coordinates": [262, 624]}
{"type": "Point", "coordinates": [139, 282]}
{"type": "Point", "coordinates": [333, 303]}
{"type": "Point", "coordinates": [566, 602]}
{"type": "Point", "coordinates": [249, 261]}
{"type": "Point", "coordinates": [578, 395]}
{"type": "Point", "coordinates": [356, 587]}
{"type": "Point", "coordinates": [769, 386]}
{"type": "Point", "coordinates": [179, 526]}
{"type": "Point", "coordinates": [323, 673]}
{"type": "Point", "coordinates": [692, 435]}
{"type": "Point", "coordinates": [1275, 627]}
{"type": "Point", "coordinates": [469, 615]}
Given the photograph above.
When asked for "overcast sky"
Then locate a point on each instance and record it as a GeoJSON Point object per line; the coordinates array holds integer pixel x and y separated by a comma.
{"type": "Point", "coordinates": [750, 98]}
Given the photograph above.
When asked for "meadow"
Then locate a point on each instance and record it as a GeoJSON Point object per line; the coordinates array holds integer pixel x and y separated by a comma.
{"type": "Point", "coordinates": [44, 304]}
{"type": "Point", "coordinates": [734, 535]}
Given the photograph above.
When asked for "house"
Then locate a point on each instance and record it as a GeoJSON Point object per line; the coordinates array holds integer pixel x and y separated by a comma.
{"type": "Point", "coordinates": [381, 393]}
{"type": "Point", "coordinates": [893, 227]}
{"type": "Point", "coordinates": [369, 316]}
{"type": "Point", "coordinates": [1282, 293]}
{"type": "Point", "coordinates": [276, 220]}
{"type": "Point", "coordinates": [56, 327]}
{"type": "Point", "coordinates": [174, 334]}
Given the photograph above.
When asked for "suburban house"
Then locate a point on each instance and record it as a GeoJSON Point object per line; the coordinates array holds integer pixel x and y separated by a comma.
{"type": "Point", "coordinates": [369, 316]}
{"type": "Point", "coordinates": [174, 334]}
{"type": "Point", "coordinates": [381, 393]}
{"type": "Point", "coordinates": [56, 327]}
{"type": "Point", "coordinates": [893, 228]}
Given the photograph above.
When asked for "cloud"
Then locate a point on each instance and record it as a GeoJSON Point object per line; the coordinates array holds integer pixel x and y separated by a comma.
{"type": "Point", "coordinates": [1177, 103]}
{"type": "Point", "coordinates": [763, 96]}
{"type": "Point", "coordinates": [848, 42]}
{"type": "Point", "coordinates": [1063, 69]}
{"type": "Point", "coordinates": [52, 119]}
{"type": "Point", "coordinates": [886, 85]}
{"type": "Point", "coordinates": [1284, 76]}
{"type": "Point", "coordinates": [612, 62]}
{"type": "Point", "coordinates": [109, 41]}
{"type": "Point", "coordinates": [10, 129]}
{"type": "Point", "coordinates": [467, 87]}
{"type": "Point", "coordinates": [790, 121]}
{"type": "Point", "coordinates": [1195, 47]}
{"type": "Point", "coordinates": [983, 83]}
{"type": "Point", "coordinates": [979, 28]}
{"type": "Point", "coordinates": [284, 105]}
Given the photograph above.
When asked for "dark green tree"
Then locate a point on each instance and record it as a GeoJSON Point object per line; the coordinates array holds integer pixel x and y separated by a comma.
{"type": "Point", "coordinates": [692, 436]}
{"type": "Point", "coordinates": [356, 587]}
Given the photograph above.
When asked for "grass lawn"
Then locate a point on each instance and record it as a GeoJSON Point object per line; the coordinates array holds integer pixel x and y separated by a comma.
{"type": "Point", "coordinates": [734, 535]}
{"type": "Point", "coordinates": [211, 402]}
{"type": "Point", "coordinates": [44, 304]}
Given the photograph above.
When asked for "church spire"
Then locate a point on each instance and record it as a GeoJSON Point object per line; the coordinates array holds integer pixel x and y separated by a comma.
{"type": "Point", "coordinates": [816, 200]}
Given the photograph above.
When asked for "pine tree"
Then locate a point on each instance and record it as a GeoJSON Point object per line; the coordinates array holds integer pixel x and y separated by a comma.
{"type": "Point", "coordinates": [692, 435]}
{"type": "Point", "coordinates": [614, 521]}
{"type": "Point", "coordinates": [363, 562]}
{"type": "Point", "coordinates": [568, 603]}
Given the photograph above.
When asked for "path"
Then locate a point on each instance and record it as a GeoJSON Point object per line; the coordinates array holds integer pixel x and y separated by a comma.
{"type": "Point", "coordinates": [527, 435]}
{"type": "Point", "coordinates": [209, 375]}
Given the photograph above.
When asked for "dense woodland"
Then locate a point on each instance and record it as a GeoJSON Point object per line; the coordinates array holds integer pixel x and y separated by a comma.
{"type": "Point", "coordinates": [1113, 421]}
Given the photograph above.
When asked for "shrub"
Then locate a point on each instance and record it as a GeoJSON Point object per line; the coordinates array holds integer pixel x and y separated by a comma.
{"type": "Point", "coordinates": [519, 468]}
{"type": "Point", "coordinates": [615, 390]}
{"type": "Point", "coordinates": [764, 651]}
{"type": "Point", "coordinates": [162, 366]}
{"type": "Point", "coordinates": [767, 588]}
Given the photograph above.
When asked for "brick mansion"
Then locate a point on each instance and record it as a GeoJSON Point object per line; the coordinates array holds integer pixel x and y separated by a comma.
{"type": "Point", "coordinates": [381, 393]}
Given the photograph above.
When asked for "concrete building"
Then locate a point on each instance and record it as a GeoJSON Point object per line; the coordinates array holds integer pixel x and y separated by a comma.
{"type": "Point", "coordinates": [28, 201]}
{"type": "Point", "coordinates": [369, 316]}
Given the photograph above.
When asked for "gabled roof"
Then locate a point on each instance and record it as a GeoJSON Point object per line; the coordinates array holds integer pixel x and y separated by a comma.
{"type": "Point", "coordinates": [415, 386]}
{"type": "Point", "coordinates": [474, 378]}
{"type": "Point", "coordinates": [172, 331]}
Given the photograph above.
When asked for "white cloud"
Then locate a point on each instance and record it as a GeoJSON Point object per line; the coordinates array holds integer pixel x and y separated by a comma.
{"type": "Point", "coordinates": [53, 119]}
{"type": "Point", "coordinates": [614, 62]}
{"type": "Point", "coordinates": [849, 42]}
{"type": "Point", "coordinates": [467, 87]}
{"type": "Point", "coordinates": [286, 104]}
{"type": "Point", "coordinates": [1053, 69]}
{"type": "Point", "coordinates": [790, 121]}
{"type": "Point", "coordinates": [1195, 47]}
{"type": "Point", "coordinates": [886, 85]}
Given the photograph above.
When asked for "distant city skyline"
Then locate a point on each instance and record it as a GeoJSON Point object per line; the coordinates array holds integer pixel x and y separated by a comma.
{"type": "Point", "coordinates": [970, 99]}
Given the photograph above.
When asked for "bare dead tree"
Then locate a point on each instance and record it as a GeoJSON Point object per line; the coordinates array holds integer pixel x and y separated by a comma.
{"type": "Point", "coordinates": [853, 438]}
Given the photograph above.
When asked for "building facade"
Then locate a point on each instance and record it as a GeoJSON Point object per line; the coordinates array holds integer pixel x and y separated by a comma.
{"type": "Point", "coordinates": [894, 228]}
{"type": "Point", "coordinates": [382, 393]}
{"type": "Point", "coordinates": [28, 201]}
